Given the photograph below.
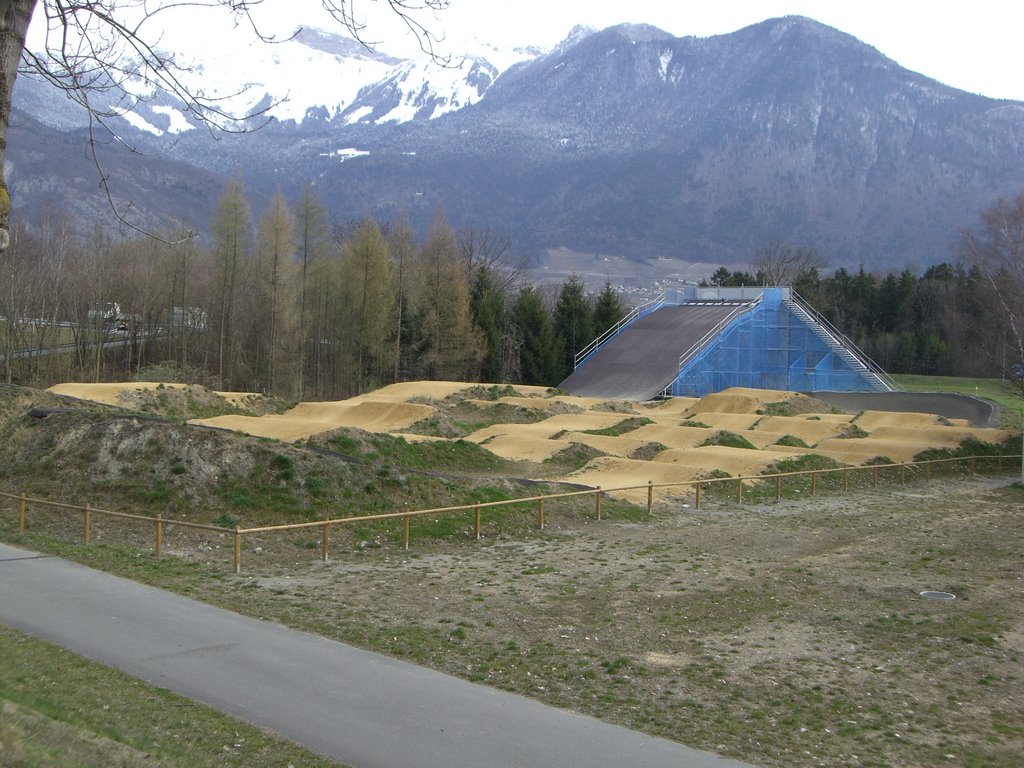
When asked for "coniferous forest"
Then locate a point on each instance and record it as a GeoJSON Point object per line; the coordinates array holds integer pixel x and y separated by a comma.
{"type": "Point", "coordinates": [942, 322]}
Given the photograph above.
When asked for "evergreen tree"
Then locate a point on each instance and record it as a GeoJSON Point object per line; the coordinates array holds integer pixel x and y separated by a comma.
{"type": "Point", "coordinates": [412, 344]}
{"type": "Point", "coordinates": [537, 355]}
{"type": "Point", "coordinates": [724, 278]}
{"type": "Point", "coordinates": [573, 324]}
{"type": "Point", "coordinates": [608, 310]}
{"type": "Point", "coordinates": [488, 308]}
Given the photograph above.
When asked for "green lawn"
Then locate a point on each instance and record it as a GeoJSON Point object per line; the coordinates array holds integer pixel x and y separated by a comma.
{"type": "Point", "coordinates": [996, 390]}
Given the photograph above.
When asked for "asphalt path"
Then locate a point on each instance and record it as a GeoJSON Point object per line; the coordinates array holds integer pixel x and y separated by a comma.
{"type": "Point", "coordinates": [981, 413]}
{"type": "Point", "coordinates": [361, 708]}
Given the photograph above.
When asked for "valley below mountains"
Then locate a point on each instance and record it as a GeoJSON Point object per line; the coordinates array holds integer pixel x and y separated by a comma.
{"type": "Point", "coordinates": [628, 143]}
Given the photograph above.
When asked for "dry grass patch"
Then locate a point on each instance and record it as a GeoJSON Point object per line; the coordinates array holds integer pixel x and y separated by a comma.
{"type": "Point", "coordinates": [785, 634]}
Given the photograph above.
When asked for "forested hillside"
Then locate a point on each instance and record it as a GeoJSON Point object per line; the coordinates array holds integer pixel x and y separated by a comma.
{"type": "Point", "coordinates": [286, 303]}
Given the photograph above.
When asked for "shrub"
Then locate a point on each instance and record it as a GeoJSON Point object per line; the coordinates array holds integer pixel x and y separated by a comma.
{"type": "Point", "coordinates": [791, 441]}
{"type": "Point", "coordinates": [729, 440]}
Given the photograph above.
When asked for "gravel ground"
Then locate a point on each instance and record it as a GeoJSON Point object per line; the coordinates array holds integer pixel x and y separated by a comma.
{"type": "Point", "coordinates": [788, 634]}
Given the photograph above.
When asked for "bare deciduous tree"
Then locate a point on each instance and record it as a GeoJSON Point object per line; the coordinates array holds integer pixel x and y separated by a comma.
{"type": "Point", "coordinates": [98, 52]}
{"type": "Point", "coordinates": [781, 263]}
{"type": "Point", "coordinates": [276, 256]}
{"type": "Point", "coordinates": [491, 250]}
{"type": "Point", "coordinates": [996, 247]}
{"type": "Point", "coordinates": [232, 250]}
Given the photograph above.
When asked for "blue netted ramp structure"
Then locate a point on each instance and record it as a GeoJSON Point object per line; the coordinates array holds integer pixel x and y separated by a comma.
{"type": "Point", "coordinates": [706, 340]}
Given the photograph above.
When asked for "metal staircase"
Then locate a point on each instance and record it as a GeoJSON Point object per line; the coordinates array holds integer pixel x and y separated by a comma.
{"type": "Point", "coordinates": [765, 337]}
{"type": "Point", "coordinates": [840, 344]}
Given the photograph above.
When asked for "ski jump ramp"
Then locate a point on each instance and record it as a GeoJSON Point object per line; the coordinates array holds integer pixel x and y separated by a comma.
{"type": "Point", "coordinates": [710, 339]}
{"type": "Point", "coordinates": [642, 359]}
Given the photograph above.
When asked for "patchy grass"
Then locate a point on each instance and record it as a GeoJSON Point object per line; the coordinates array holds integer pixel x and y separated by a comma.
{"type": "Point", "coordinates": [197, 402]}
{"type": "Point", "coordinates": [458, 456]}
{"type": "Point", "coordinates": [795, 406]}
{"type": "Point", "coordinates": [206, 476]}
{"type": "Point", "coordinates": [624, 426]}
{"type": "Point", "coordinates": [57, 709]}
{"type": "Point", "coordinates": [573, 456]}
{"type": "Point", "coordinates": [648, 451]}
{"type": "Point", "coordinates": [973, 447]}
{"type": "Point", "coordinates": [729, 440]}
{"type": "Point", "coordinates": [852, 432]}
{"type": "Point", "coordinates": [785, 634]}
{"type": "Point", "coordinates": [791, 441]}
{"type": "Point", "coordinates": [458, 418]}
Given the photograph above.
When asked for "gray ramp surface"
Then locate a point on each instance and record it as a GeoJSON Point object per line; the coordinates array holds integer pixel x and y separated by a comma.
{"type": "Point", "coordinates": [348, 704]}
{"type": "Point", "coordinates": [643, 359]}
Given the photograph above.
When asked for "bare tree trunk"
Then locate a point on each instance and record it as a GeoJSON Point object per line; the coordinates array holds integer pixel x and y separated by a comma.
{"type": "Point", "coordinates": [15, 16]}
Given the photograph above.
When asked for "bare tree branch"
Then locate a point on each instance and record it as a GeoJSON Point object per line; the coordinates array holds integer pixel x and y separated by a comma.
{"type": "Point", "coordinates": [996, 247]}
{"type": "Point", "coordinates": [490, 250]}
{"type": "Point", "coordinates": [781, 263]}
{"type": "Point", "coordinates": [108, 57]}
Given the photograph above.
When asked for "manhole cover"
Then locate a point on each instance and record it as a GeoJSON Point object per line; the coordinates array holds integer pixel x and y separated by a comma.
{"type": "Point", "coordinates": [939, 595]}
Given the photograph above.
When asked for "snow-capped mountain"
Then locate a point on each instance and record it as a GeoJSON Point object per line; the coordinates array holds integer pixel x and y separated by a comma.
{"type": "Point", "coordinates": [323, 75]}
{"type": "Point", "coordinates": [313, 74]}
{"type": "Point", "coordinates": [626, 141]}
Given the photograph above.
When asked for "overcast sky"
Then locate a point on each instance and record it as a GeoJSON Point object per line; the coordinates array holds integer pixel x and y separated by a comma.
{"type": "Point", "coordinates": [976, 45]}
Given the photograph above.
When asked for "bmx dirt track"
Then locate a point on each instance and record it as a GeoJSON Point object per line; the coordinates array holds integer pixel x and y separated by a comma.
{"type": "Point", "coordinates": [789, 634]}
{"type": "Point", "coordinates": [667, 441]}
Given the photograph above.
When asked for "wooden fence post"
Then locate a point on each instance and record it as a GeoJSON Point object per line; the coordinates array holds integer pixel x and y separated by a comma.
{"type": "Point", "coordinates": [405, 531]}
{"type": "Point", "coordinates": [974, 465]}
{"type": "Point", "coordinates": [739, 490]}
{"type": "Point", "coordinates": [650, 496]}
{"type": "Point", "coordinates": [846, 480]}
{"type": "Point", "coordinates": [814, 483]}
{"type": "Point", "coordinates": [85, 523]}
{"type": "Point", "coordinates": [778, 487]}
{"type": "Point", "coordinates": [903, 473]}
{"type": "Point", "coordinates": [874, 477]}
{"type": "Point", "coordinates": [21, 514]}
{"type": "Point", "coordinates": [597, 502]}
{"type": "Point", "coordinates": [540, 513]}
{"type": "Point", "coordinates": [696, 496]}
{"type": "Point", "coordinates": [325, 541]}
{"type": "Point", "coordinates": [159, 524]}
{"type": "Point", "coordinates": [238, 549]}
{"type": "Point", "coordinates": [928, 471]}
{"type": "Point", "coordinates": [477, 516]}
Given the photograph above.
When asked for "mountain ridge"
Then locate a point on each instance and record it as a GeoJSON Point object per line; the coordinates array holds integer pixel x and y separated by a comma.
{"type": "Point", "coordinates": [634, 142]}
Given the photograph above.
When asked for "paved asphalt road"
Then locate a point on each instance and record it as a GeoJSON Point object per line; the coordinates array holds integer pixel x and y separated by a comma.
{"type": "Point", "coordinates": [354, 706]}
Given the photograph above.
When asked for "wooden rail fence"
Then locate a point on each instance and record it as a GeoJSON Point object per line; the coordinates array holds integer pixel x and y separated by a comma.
{"type": "Point", "coordinates": [699, 488]}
